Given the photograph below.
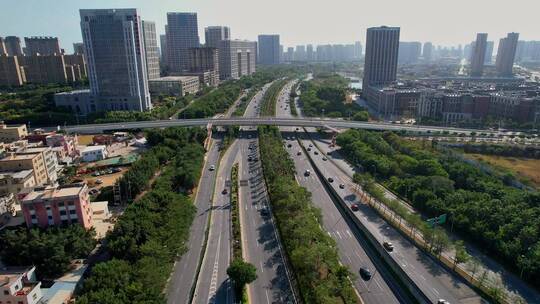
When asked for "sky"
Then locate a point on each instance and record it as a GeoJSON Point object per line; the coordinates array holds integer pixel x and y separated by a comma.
{"type": "Point", "coordinates": [448, 22]}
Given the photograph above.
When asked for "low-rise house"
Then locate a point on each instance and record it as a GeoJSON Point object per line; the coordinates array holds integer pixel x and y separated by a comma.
{"type": "Point", "coordinates": [19, 286]}
{"type": "Point", "coordinates": [56, 206]}
{"type": "Point", "coordinates": [15, 181]}
{"type": "Point", "coordinates": [34, 161]}
{"type": "Point", "coordinates": [12, 133]}
{"type": "Point", "coordinates": [94, 153]}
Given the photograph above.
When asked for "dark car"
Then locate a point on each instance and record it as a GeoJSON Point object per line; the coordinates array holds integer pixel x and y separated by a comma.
{"type": "Point", "coordinates": [309, 149]}
{"type": "Point", "coordinates": [388, 246]}
{"type": "Point", "coordinates": [365, 273]}
{"type": "Point", "coordinates": [250, 158]}
{"type": "Point", "coordinates": [341, 186]}
{"type": "Point", "coordinates": [225, 191]}
{"type": "Point", "coordinates": [316, 153]}
{"type": "Point", "coordinates": [299, 153]}
{"type": "Point", "coordinates": [289, 145]}
{"type": "Point", "coordinates": [354, 207]}
{"type": "Point", "coordinates": [324, 158]}
{"type": "Point", "coordinates": [331, 180]}
{"type": "Point", "coordinates": [265, 212]}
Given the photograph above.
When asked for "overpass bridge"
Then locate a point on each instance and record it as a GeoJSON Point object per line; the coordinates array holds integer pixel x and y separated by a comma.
{"type": "Point", "coordinates": [258, 121]}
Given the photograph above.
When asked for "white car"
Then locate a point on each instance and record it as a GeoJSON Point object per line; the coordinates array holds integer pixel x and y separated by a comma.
{"type": "Point", "coordinates": [212, 168]}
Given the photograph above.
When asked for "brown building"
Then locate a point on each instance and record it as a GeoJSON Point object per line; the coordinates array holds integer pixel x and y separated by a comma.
{"type": "Point", "coordinates": [35, 162]}
{"type": "Point", "coordinates": [11, 73]}
{"type": "Point", "coordinates": [44, 69]}
{"type": "Point", "coordinates": [205, 59]}
{"type": "Point", "coordinates": [42, 46]}
{"type": "Point", "coordinates": [481, 106]}
{"type": "Point", "coordinates": [78, 63]}
{"type": "Point", "coordinates": [10, 134]}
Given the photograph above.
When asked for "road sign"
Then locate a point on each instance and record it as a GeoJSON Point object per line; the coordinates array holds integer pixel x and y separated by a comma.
{"type": "Point", "coordinates": [438, 220]}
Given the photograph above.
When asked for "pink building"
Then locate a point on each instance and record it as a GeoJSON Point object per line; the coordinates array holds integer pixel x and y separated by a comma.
{"type": "Point", "coordinates": [19, 286]}
{"type": "Point", "coordinates": [68, 143]}
{"type": "Point", "coordinates": [63, 205]}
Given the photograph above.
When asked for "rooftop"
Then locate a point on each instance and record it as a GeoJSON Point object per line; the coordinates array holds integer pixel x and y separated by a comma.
{"type": "Point", "coordinates": [173, 78]}
{"type": "Point", "coordinates": [94, 148]}
{"type": "Point", "coordinates": [19, 157]}
{"type": "Point", "coordinates": [17, 174]}
{"type": "Point", "coordinates": [52, 193]}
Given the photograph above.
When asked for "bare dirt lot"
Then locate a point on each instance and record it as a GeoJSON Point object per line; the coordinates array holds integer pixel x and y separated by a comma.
{"type": "Point", "coordinates": [525, 168]}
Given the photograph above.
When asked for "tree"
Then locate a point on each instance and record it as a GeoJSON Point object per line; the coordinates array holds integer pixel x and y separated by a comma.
{"type": "Point", "coordinates": [241, 273]}
{"type": "Point", "coordinates": [361, 116]}
{"type": "Point", "coordinates": [461, 255]}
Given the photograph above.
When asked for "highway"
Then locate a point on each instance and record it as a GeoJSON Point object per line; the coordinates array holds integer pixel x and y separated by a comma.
{"type": "Point", "coordinates": [350, 244]}
{"type": "Point", "coordinates": [434, 281]}
{"type": "Point", "coordinates": [184, 272]}
{"type": "Point", "coordinates": [260, 244]}
{"type": "Point", "coordinates": [252, 121]}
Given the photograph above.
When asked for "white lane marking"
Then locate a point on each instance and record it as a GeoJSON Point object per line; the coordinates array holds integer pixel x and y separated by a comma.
{"type": "Point", "coordinates": [435, 290]}
{"type": "Point", "coordinates": [421, 276]}
{"type": "Point", "coordinates": [213, 281]}
{"type": "Point", "coordinates": [267, 298]}
{"type": "Point", "coordinates": [262, 269]}
{"type": "Point", "coordinates": [349, 233]}
{"type": "Point", "coordinates": [339, 234]}
{"type": "Point", "coordinates": [377, 282]}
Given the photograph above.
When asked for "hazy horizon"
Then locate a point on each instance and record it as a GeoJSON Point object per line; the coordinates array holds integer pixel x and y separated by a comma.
{"type": "Point", "coordinates": [297, 22]}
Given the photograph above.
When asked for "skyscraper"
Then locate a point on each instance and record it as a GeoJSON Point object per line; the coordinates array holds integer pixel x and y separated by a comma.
{"type": "Point", "coordinates": [478, 55]}
{"type": "Point", "coordinates": [163, 49]}
{"type": "Point", "coordinates": [268, 49]}
{"type": "Point", "coordinates": [214, 34]}
{"type": "Point", "coordinates": [506, 54]}
{"type": "Point", "coordinates": [151, 49]}
{"type": "Point", "coordinates": [489, 52]}
{"type": "Point", "coordinates": [300, 53]}
{"type": "Point", "coordinates": [236, 58]}
{"type": "Point", "coordinates": [114, 49]}
{"type": "Point", "coordinates": [382, 47]}
{"type": "Point", "coordinates": [409, 52]}
{"type": "Point", "coordinates": [427, 52]}
{"type": "Point", "coordinates": [182, 34]}
{"type": "Point", "coordinates": [42, 45]}
{"type": "Point", "coordinates": [78, 48]}
{"type": "Point", "coordinates": [3, 50]}
{"type": "Point", "coordinates": [357, 50]}
{"type": "Point", "coordinates": [13, 46]}
{"type": "Point", "coordinates": [309, 52]}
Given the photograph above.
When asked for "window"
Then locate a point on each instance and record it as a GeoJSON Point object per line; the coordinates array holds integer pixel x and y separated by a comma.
{"type": "Point", "coordinates": [71, 203]}
{"type": "Point", "coordinates": [72, 211]}
{"type": "Point", "coordinates": [49, 217]}
{"type": "Point", "coordinates": [74, 221]}
{"type": "Point", "coordinates": [33, 216]}
{"type": "Point", "coordinates": [63, 212]}
{"type": "Point", "coordinates": [6, 292]}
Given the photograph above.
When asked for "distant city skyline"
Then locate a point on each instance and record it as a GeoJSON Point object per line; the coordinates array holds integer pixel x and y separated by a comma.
{"type": "Point", "coordinates": [297, 22]}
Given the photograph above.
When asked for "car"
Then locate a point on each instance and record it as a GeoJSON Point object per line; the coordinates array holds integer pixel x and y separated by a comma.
{"type": "Point", "coordinates": [289, 145]}
{"type": "Point", "coordinates": [307, 173]}
{"type": "Point", "coordinates": [225, 191]}
{"type": "Point", "coordinates": [93, 191]}
{"type": "Point", "coordinates": [309, 149]}
{"type": "Point", "coordinates": [264, 211]}
{"type": "Point", "coordinates": [341, 186]}
{"type": "Point", "coordinates": [388, 246]}
{"type": "Point", "coordinates": [354, 207]}
{"type": "Point", "coordinates": [299, 153]}
{"type": "Point", "coordinates": [310, 145]}
{"type": "Point", "coordinates": [316, 152]}
{"type": "Point", "coordinates": [212, 168]}
{"type": "Point", "coordinates": [442, 301]}
{"type": "Point", "coordinates": [331, 180]}
{"type": "Point", "coordinates": [297, 129]}
{"type": "Point", "coordinates": [99, 181]}
{"type": "Point", "coordinates": [96, 173]}
{"type": "Point", "coordinates": [250, 158]}
{"type": "Point", "coordinates": [365, 273]}
{"type": "Point", "coordinates": [324, 158]}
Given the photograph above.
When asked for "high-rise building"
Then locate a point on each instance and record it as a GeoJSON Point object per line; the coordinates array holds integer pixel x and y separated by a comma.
{"type": "Point", "coordinates": [214, 34]}
{"type": "Point", "coordinates": [182, 34]}
{"type": "Point", "coordinates": [382, 47]}
{"type": "Point", "coordinates": [151, 49]}
{"type": "Point", "coordinates": [3, 50]}
{"type": "Point", "coordinates": [204, 62]}
{"type": "Point", "coordinates": [114, 50]}
{"type": "Point", "coordinates": [478, 55]}
{"type": "Point", "coordinates": [506, 54]}
{"type": "Point", "coordinates": [427, 52]}
{"type": "Point", "coordinates": [236, 58]}
{"type": "Point", "coordinates": [43, 69]}
{"type": "Point", "coordinates": [163, 49]}
{"type": "Point", "coordinates": [290, 54]}
{"type": "Point", "coordinates": [11, 73]}
{"type": "Point", "coordinates": [42, 46]}
{"type": "Point", "coordinates": [409, 52]}
{"type": "Point", "coordinates": [300, 53]}
{"type": "Point", "coordinates": [489, 52]}
{"type": "Point", "coordinates": [78, 48]}
{"type": "Point", "coordinates": [268, 49]}
{"type": "Point", "coordinates": [13, 46]}
{"type": "Point", "coordinates": [309, 53]}
{"type": "Point", "coordinates": [357, 50]}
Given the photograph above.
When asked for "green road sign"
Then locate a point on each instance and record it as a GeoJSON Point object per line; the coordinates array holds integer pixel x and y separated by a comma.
{"type": "Point", "coordinates": [441, 219]}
